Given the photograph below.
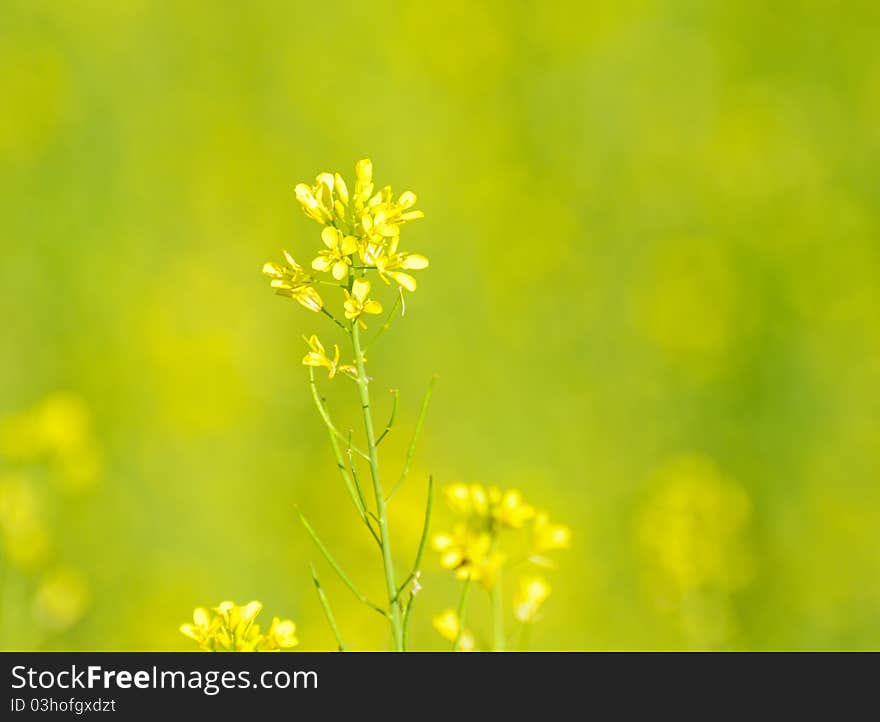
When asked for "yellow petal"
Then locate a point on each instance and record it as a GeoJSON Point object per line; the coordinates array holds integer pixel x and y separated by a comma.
{"type": "Point", "coordinates": [273, 270]}
{"type": "Point", "coordinates": [404, 279]}
{"type": "Point", "coordinates": [364, 171]}
{"type": "Point", "coordinates": [360, 289]}
{"type": "Point", "coordinates": [341, 188]}
{"type": "Point", "coordinates": [407, 199]}
{"type": "Point", "coordinates": [414, 262]}
{"type": "Point", "coordinates": [349, 245]}
{"type": "Point", "coordinates": [372, 306]}
{"type": "Point", "coordinates": [330, 236]}
{"type": "Point", "coordinates": [340, 270]}
{"type": "Point", "coordinates": [321, 263]}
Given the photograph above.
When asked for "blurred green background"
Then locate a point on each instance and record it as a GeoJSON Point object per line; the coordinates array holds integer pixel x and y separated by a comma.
{"type": "Point", "coordinates": [652, 305]}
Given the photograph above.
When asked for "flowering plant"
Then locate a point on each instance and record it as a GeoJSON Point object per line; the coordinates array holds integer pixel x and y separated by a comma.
{"type": "Point", "coordinates": [361, 253]}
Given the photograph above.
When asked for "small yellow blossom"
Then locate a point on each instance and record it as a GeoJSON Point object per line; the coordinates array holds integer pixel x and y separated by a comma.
{"type": "Point", "coordinates": [317, 201]}
{"type": "Point", "coordinates": [547, 537]}
{"type": "Point", "coordinates": [531, 595]}
{"type": "Point", "coordinates": [336, 256]}
{"type": "Point", "coordinates": [229, 627]}
{"type": "Point", "coordinates": [357, 302]}
{"type": "Point", "coordinates": [281, 635]}
{"type": "Point", "coordinates": [469, 554]}
{"type": "Point", "coordinates": [317, 357]}
{"type": "Point", "coordinates": [447, 626]}
{"type": "Point", "coordinates": [292, 281]}
{"type": "Point", "coordinates": [391, 264]}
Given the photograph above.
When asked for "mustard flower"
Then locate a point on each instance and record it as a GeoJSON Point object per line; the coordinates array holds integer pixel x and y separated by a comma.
{"type": "Point", "coordinates": [391, 264]}
{"type": "Point", "coordinates": [336, 256]}
{"type": "Point", "coordinates": [292, 281]}
{"type": "Point", "coordinates": [229, 627]}
{"type": "Point", "coordinates": [469, 554]}
{"type": "Point", "coordinates": [547, 537]}
{"type": "Point", "coordinates": [491, 507]}
{"type": "Point", "coordinates": [318, 358]}
{"type": "Point", "coordinates": [357, 302]}
{"type": "Point", "coordinates": [281, 635]}
{"type": "Point", "coordinates": [531, 595]}
{"type": "Point", "coordinates": [447, 625]}
{"type": "Point", "coordinates": [318, 201]}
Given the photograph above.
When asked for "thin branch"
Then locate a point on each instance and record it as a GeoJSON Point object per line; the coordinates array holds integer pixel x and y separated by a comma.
{"type": "Point", "coordinates": [363, 499]}
{"type": "Point", "coordinates": [387, 324]}
{"type": "Point", "coordinates": [421, 550]}
{"type": "Point", "coordinates": [336, 568]}
{"type": "Point", "coordinates": [325, 605]}
{"type": "Point", "coordinates": [325, 415]}
{"type": "Point", "coordinates": [415, 439]}
{"type": "Point", "coordinates": [335, 320]}
{"type": "Point", "coordinates": [391, 420]}
{"type": "Point", "coordinates": [462, 606]}
{"type": "Point", "coordinates": [354, 490]}
{"type": "Point", "coordinates": [406, 615]}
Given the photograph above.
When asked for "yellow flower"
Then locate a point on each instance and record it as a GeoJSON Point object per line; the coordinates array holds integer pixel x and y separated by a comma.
{"type": "Point", "coordinates": [317, 201]}
{"type": "Point", "coordinates": [292, 281]}
{"type": "Point", "coordinates": [317, 357]}
{"type": "Point", "coordinates": [532, 593]}
{"type": "Point", "coordinates": [447, 626]}
{"type": "Point", "coordinates": [470, 554]}
{"type": "Point", "coordinates": [548, 537]}
{"type": "Point", "coordinates": [390, 263]}
{"type": "Point", "coordinates": [232, 628]}
{"type": "Point", "coordinates": [357, 302]}
{"type": "Point", "coordinates": [336, 257]}
{"type": "Point", "coordinates": [491, 507]}
{"type": "Point", "coordinates": [203, 628]}
{"type": "Point", "coordinates": [281, 635]}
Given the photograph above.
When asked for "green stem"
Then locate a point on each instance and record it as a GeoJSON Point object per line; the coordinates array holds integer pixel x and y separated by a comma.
{"type": "Point", "coordinates": [410, 452]}
{"type": "Point", "coordinates": [336, 568]}
{"type": "Point", "coordinates": [325, 605]}
{"type": "Point", "coordinates": [355, 493]}
{"type": "Point", "coordinates": [462, 607]}
{"type": "Point", "coordinates": [335, 320]}
{"type": "Point", "coordinates": [387, 560]}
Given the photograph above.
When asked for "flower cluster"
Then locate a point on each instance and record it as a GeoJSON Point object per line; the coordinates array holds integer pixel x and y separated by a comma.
{"type": "Point", "coordinates": [496, 530]}
{"type": "Point", "coordinates": [472, 549]}
{"type": "Point", "coordinates": [229, 627]}
{"type": "Point", "coordinates": [361, 234]}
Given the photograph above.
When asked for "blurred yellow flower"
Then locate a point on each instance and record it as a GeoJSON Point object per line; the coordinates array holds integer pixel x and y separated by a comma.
{"type": "Point", "coordinates": [336, 256]}
{"type": "Point", "coordinates": [547, 537]}
{"type": "Point", "coordinates": [317, 357]}
{"type": "Point", "coordinates": [229, 627]}
{"type": "Point", "coordinates": [470, 554]}
{"type": "Point", "coordinates": [692, 529]}
{"type": "Point", "coordinates": [447, 626]}
{"type": "Point", "coordinates": [357, 302]}
{"type": "Point", "coordinates": [58, 430]}
{"type": "Point", "coordinates": [531, 595]}
{"type": "Point", "coordinates": [62, 599]}
{"type": "Point", "coordinates": [25, 537]}
{"type": "Point", "coordinates": [292, 281]}
{"type": "Point", "coordinates": [281, 635]}
{"type": "Point", "coordinates": [491, 507]}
